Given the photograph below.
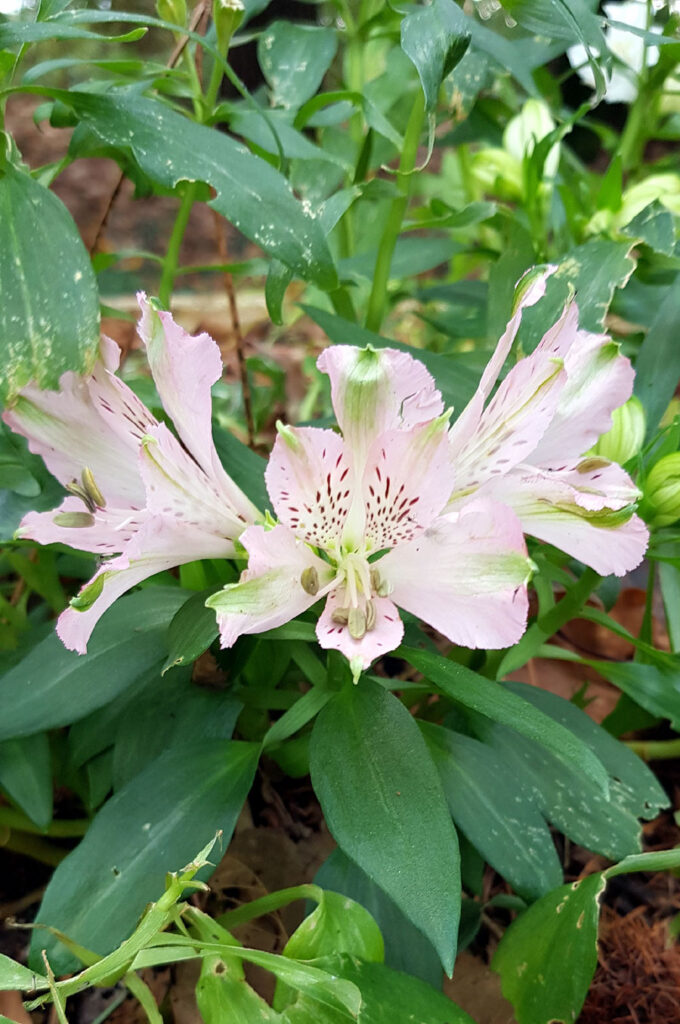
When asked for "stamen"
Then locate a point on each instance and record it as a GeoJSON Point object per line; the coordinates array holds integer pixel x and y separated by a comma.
{"type": "Point", "coordinates": [310, 580]}
{"type": "Point", "coordinates": [91, 488]}
{"type": "Point", "coordinates": [379, 586]}
{"type": "Point", "coordinates": [75, 488]}
{"type": "Point", "coordinates": [340, 616]}
{"type": "Point", "coordinates": [87, 491]}
{"type": "Point", "coordinates": [370, 616]}
{"type": "Point", "coordinates": [356, 623]}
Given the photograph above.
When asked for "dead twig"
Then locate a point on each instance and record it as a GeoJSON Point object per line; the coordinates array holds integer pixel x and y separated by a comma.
{"type": "Point", "coordinates": [198, 15]}
{"type": "Point", "coordinates": [236, 327]}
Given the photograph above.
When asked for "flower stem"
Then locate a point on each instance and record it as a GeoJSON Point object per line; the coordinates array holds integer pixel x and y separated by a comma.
{"type": "Point", "coordinates": [35, 847]}
{"type": "Point", "coordinates": [641, 120]}
{"type": "Point", "coordinates": [268, 904]}
{"type": "Point", "coordinates": [655, 750]}
{"type": "Point", "coordinates": [171, 261]}
{"type": "Point", "coordinates": [59, 829]}
{"type": "Point", "coordinates": [378, 297]}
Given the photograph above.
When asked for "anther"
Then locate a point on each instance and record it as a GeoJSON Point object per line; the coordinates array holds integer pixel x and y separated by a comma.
{"type": "Point", "coordinates": [87, 491]}
{"type": "Point", "coordinates": [370, 616]}
{"type": "Point", "coordinates": [73, 519]}
{"type": "Point", "coordinates": [356, 623]}
{"type": "Point", "coordinates": [380, 586]}
{"type": "Point", "coordinates": [340, 616]}
{"type": "Point", "coordinates": [90, 486]}
{"type": "Point", "coordinates": [310, 580]}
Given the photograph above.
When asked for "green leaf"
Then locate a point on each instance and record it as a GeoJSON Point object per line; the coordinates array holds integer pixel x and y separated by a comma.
{"type": "Point", "coordinates": [52, 687]}
{"type": "Point", "coordinates": [498, 704]}
{"type": "Point", "coordinates": [167, 719]}
{"type": "Point", "coordinates": [16, 977]}
{"type": "Point", "coordinates": [655, 227]}
{"type": "Point", "coordinates": [26, 776]}
{"type": "Point", "coordinates": [223, 995]}
{"type": "Point", "coordinates": [389, 996]}
{"type": "Point", "coordinates": [456, 381]}
{"type": "Point", "coordinates": [656, 688]}
{"type": "Point", "coordinates": [191, 632]}
{"type": "Point", "coordinates": [406, 948]}
{"type": "Point", "coordinates": [411, 256]}
{"type": "Point", "coordinates": [658, 362]}
{"type": "Point", "coordinates": [337, 925]}
{"type": "Point", "coordinates": [573, 21]}
{"type": "Point", "coordinates": [506, 53]}
{"type": "Point", "coordinates": [251, 194]}
{"type": "Point", "coordinates": [380, 792]}
{"type": "Point", "coordinates": [243, 465]}
{"type": "Point", "coordinates": [431, 38]}
{"type": "Point", "coordinates": [547, 957]}
{"type": "Point", "coordinates": [669, 579]}
{"type": "Point", "coordinates": [278, 279]}
{"type": "Point", "coordinates": [638, 789]}
{"type": "Point", "coordinates": [49, 320]}
{"type": "Point", "coordinates": [567, 798]}
{"type": "Point", "coordinates": [294, 59]}
{"type": "Point", "coordinates": [155, 822]}
{"type": "Point", "coordinates": [13, 32]}
{"type": "Point", "coordinates": [594, 271]}
{"type": "Point", "coordinates": [489, 807]}
{"type": "Point", "coordinates": [657, 860]}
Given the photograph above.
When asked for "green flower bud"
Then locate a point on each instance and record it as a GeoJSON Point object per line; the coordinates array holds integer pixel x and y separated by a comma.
{"type": "Point", "coordinates": [227, 16]}
{"type": "Point", "coordinates": [661, 505]}
{"type": "Point", "coordinates": [625, 437]}
{"type": "Point", "coordinates": [498, 172]}
{"type": "Point", "coordinates": [174, 11]}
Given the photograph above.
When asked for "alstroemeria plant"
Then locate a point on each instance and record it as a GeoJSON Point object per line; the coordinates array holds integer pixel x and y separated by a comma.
{"type": "Point", "coordinates": [139, 498]}
{"type": "Point", "coordinates": [403, 512]}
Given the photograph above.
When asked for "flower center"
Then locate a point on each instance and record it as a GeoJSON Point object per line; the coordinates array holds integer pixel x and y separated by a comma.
{"type": "Point", "coordinates": [357, 583]}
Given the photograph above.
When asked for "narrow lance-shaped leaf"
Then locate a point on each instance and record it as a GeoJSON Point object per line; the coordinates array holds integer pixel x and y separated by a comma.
{"type": "Point", "coordinates": [49, 317]}
{"type": "Point", "coordinates": [498, 704]}
{"type": "Point", "coordinates": [98, 892]}
{"type": "Point", "coordinates": [380, 791]}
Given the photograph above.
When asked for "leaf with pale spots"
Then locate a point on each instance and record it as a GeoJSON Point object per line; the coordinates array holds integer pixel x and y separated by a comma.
{"type": "Point", "coordinates": [170, 148]}
{"type": "Point", "coordinates": [547, 957]}
{"type": "Point", "coordinates": [49, 319]}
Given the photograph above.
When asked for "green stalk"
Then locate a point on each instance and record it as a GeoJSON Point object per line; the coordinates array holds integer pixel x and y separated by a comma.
{"type": "Point", "coordinates": [35, 847]}
{"type": "Point", "coordinates": [378, 297]}
{"type": "Point", "coordinates": [655, 750]}
{"type": "Point", "coordinates": [60, 829]}
{"type": "Point", "coordinates": [268, 904]}
{"type": "Point", "coordinates": [171, 261]}
{"type": "Point", "coordinates": [641, 120]}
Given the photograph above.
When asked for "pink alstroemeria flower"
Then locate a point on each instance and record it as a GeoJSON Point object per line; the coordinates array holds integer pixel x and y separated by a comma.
{"type": "Point", "coordinates": [362, 522]}
{"type": "Point", "coordinates": [137, 493]}
{"type": "Point", "coordinates": [528, 447]}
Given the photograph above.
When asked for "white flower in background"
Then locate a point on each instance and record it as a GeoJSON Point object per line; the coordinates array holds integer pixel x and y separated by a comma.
{"type": "Point", "coordinates": [627, 48]}
{"type": "Point", "coordinates": [526, 130]}
{"type": "Point", "coordinates": [501, 171]}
